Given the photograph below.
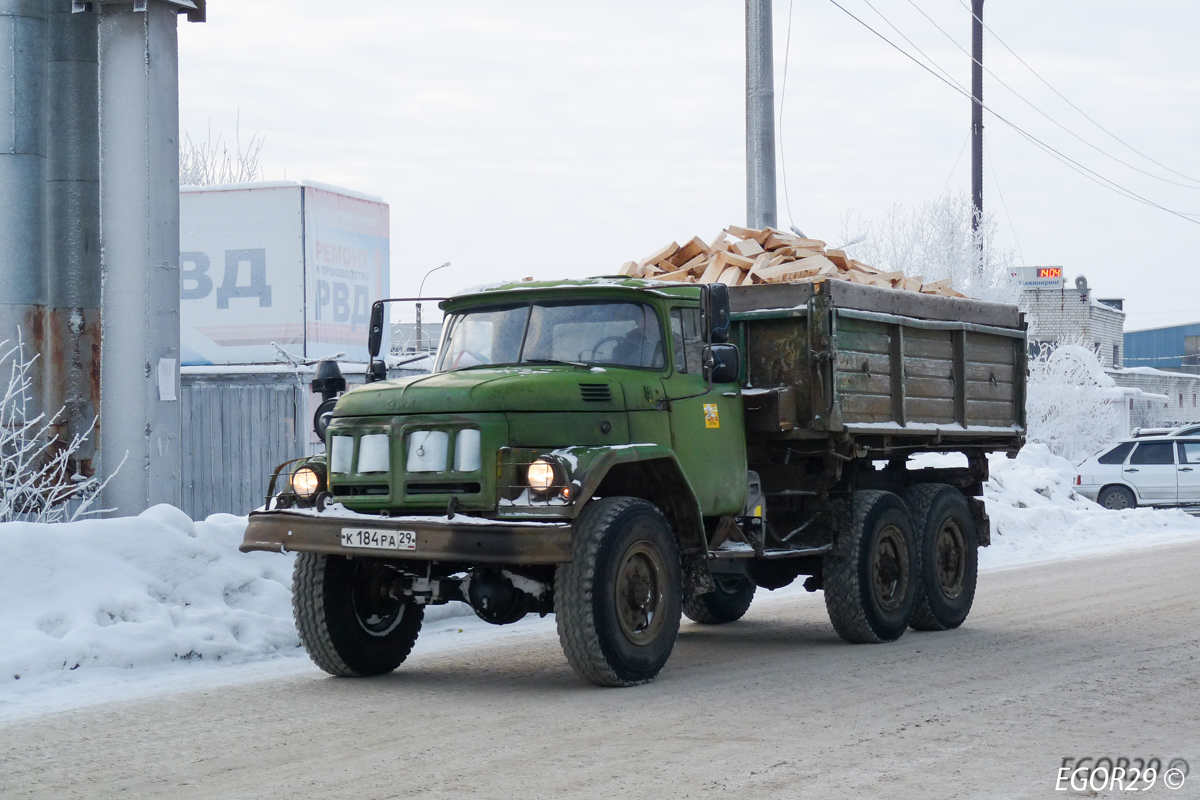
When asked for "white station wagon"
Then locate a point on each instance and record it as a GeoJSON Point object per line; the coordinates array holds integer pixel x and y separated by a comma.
{"type": "Point", "coordinates": [1146, 471]}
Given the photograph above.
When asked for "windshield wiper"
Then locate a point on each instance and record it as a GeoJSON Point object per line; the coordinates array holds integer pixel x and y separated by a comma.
{"type": "Point", "coordinates": [555, 361]}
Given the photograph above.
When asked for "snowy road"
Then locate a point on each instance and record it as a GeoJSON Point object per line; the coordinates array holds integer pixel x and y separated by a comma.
{"type": "Point", "coordinates": [1094, 657]}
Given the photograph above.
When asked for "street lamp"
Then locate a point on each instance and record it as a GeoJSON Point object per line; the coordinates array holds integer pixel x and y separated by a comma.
{"type": "Point", "coordinates": [420, 291]}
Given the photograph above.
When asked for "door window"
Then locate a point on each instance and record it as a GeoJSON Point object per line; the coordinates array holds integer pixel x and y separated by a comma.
{"type": "Point", "coordinates": [688, 343]}
{"type": "Point", "coordinates": [1189, 452]}
{"type": "Point", "coordinates": [1153, 453]}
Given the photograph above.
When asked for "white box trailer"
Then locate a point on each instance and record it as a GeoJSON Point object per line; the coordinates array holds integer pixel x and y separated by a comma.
{"type": "Point", "coordinates": [293, 264]}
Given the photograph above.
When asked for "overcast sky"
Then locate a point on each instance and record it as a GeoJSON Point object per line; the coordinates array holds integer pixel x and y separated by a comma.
{"type": "Point", "coordinates": [559, 139]}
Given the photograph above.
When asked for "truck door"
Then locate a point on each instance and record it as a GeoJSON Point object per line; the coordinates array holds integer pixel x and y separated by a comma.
{"type": "Point", "coordinates": [707, 427]}
{"type": "Point", "coordinates": [1151, 469]}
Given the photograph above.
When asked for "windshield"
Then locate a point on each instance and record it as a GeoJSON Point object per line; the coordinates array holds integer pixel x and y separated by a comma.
{"type": "Point", "coordinates": [618, 334]}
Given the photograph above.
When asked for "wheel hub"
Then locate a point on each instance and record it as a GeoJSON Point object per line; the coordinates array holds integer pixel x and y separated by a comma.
{"type": "Point", "coordinates": [950, 558]}
{"type": "Point", "coordinates": [889, 568]}
{"type": "Point", "coordinates": [377, 611]}
{"type": "Point", "coordinates": [640, 599]}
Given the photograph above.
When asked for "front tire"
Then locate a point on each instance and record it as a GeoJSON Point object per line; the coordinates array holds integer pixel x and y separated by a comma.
{"type": "Point", "coordinates": [870, 578]}
{"type": "Point", "coordinates": [617, 604]}
{"type": "Point", "coordinates": [727, 602]}
{"type": "Point", "coordinates": [348, 621]}
{"type": "Point", "coordinates": [948, 556]}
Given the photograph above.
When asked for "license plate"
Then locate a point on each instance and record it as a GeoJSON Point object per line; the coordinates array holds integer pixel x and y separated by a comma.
{"type": "Point", "coordinates": [379, 540]}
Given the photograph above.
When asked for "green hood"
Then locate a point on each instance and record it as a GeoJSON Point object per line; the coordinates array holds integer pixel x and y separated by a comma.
{"type": "Point", "coordinates": [529, 388]}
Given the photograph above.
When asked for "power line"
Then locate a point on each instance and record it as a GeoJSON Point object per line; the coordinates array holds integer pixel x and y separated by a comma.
{"type": "Point", "coordinates": [1088, 173]}
{"type": "Point", "coordinates": [961, 150]}
{"type": "Point", "coordinates": [787, 50]}
{"type": "Point", "coordinates": [1004, 205]}
{"type": "Point", "coordinates": [1072, 105]}
{"type": "Point", "coordinates": [1055, 122]}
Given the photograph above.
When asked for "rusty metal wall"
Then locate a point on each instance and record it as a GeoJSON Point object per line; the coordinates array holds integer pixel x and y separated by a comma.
{"type": "Point", "coordinates": [237, 428]}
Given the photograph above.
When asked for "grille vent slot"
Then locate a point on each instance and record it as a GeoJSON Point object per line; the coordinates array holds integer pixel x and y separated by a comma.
{"type": "Point", "coordinates": [595, 392]}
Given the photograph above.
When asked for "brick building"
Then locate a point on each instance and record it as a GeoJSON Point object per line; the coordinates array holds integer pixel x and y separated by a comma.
{"type": "Point", "coordinates": [1069, 313]}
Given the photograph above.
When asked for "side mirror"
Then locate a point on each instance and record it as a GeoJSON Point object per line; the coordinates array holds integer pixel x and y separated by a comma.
{"type": "Point", "coordinates": [714, 310]}
{"type": "Point", "coordinates": [376, 371]}
{"type": "Point", "coordinates": [722, 363]}
{"type": "Point", "coordinates": [375, 334]}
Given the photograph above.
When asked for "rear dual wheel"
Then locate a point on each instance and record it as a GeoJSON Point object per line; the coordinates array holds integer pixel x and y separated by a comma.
{"type": "Point", "coordinates": [948, 556]}
{"type": "Point", "coordinates": [871, 577]}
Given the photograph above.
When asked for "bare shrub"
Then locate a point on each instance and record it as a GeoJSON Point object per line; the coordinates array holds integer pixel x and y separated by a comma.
{"type": "Point", "coordinates": [212, 162]}
{"type": "Point", "coordinates": [38, 482]}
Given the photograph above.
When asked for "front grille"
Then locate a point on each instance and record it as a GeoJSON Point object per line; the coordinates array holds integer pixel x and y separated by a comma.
{"type": "Point", "coordinates": [442, 488]}
{"type": "Point", "coordinates": [595, 392]}
{"type": "Point", "coordinates": [369, 490]}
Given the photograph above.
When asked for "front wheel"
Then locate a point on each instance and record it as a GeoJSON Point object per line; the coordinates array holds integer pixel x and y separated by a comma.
{"type": "Point", "coordinates": [870, 578]}
{"type": "Point", "coordinates": [617, 602]}
{"type": "Point", "coordinates": [349, 621]}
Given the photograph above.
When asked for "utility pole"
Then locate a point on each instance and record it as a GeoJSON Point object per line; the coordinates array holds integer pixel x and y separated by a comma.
{"type": "Point", "coordinates": [760, 116]}
{"type": "Point", "coordinates": [976, 113]}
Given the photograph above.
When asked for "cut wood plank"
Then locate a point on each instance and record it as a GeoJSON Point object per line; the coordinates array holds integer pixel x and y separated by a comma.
{"type": "Point", "coordinates": [677, 275]}
{"type": "Point", "coordinates": [731, 276]}
{"type": "Point", "coordinates": [936, 286]}
{"type": "Point", "coordinates": [761, 262]}
{"type": "Point", "coordinates": [713, 271]}
{"type": "Point", "coordinates": [785, 273]}
{"type": "Point", "coordinates": [864, 267]}
{"type": "Point", "coordinates": [660, 255]}
{"type": "Point", "coordinates": [748, 248]}
{"type": "Point", "coordinates": [746, 233]}
{"type": "Point", "coordinates": [912, 284]}
{"type": "Point", "coordinates": [731, 259]}
{"type": "Point", "coordinates": [839, 258]}
{"type": "Point", "coordinates": [696, 264]}
{"type": "Point", "coordinates": [689, 251]}
{"type": "Point", "coordinates": [630, 268]}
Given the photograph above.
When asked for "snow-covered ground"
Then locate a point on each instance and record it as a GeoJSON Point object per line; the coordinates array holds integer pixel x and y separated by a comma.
{"type": "Point", "coordinates": [110, 609]}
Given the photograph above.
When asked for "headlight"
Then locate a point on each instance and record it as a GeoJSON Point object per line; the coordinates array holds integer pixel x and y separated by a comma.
{"type": "Point", "coordinates": [306, 482]}
{"type": "Point", "coordinates": [541, 475]}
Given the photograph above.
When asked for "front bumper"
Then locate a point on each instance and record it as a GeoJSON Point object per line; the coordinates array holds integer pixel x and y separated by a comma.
{"type": "Point", "coordinates": [465, 539]}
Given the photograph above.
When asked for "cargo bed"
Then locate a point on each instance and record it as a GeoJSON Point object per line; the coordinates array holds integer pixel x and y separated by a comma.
{"type": "Point", "coordinates": [880, 365]}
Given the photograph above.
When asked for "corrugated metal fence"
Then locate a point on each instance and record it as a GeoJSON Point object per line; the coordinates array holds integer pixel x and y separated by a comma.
{"type": "Point", "coordinates": [237, 428]}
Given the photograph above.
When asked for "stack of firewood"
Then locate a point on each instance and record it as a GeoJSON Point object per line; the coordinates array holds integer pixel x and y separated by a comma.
{"type": "Point", "coordinates": [744, 256]}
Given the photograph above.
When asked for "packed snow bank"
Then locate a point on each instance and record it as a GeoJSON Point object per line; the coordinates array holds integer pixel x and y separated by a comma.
{"type": "Point", "coordinates": [138, 591]}
{"type": "Point", "coordinates": [1037, 516]}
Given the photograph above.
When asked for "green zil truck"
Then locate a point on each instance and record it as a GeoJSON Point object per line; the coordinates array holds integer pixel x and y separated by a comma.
{"type": "Point", "coordinates": [621, 452]}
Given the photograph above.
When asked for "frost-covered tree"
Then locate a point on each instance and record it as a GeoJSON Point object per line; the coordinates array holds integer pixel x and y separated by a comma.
{"type": "Point", "coordinates": [935, 241]}
{"type": "Point", "coordinates": [38, 479]}
{"type": "Point", "coordinates": [1070, 401]}
{"type": "Point", "coordinates": [212, 162]}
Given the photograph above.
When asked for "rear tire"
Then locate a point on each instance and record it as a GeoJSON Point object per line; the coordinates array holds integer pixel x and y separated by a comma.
{"type": "Point", "coordinates": [728, 602]}
{"type": "Point", "coordinates": [948, 556]}
{"type": "Point", "coordinates": [870, 577]}
{"type": "Point", "coordinates": [1116, 498]}
{"type": "Point", "coordinates": [617, 603]}
{"type": "Point", "coordinates": [348, 622]}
